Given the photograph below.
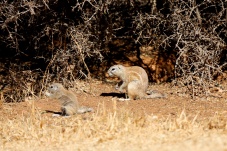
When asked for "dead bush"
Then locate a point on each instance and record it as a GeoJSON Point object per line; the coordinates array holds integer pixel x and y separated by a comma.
{"type": "Point", "coordinates": [43, 41]}
{"type": "Point", "coordinates": [198, 29]}
{"type": "Point", "coordinates": [195, 32]}
{"type": "Point", "coordinates": [46, 40]}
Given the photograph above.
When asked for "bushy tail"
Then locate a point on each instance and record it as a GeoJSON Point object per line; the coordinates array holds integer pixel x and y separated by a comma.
{"type": "Point", "coordinates": [84, 109]}
{"type": "Point", "coordinates": [155, 94]}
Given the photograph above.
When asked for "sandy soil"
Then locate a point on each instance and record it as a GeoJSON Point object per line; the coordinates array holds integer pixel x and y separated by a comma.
{"type": "Point", "coordinates": [99, 93]}
{"type": "Point", "coordinates": [174, 123]}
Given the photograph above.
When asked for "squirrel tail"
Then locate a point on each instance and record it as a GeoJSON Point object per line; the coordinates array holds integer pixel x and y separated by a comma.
{"type": "Point", "coordinates": [84, 109]}
{"type": "Point", "coordinates": [155, 94]}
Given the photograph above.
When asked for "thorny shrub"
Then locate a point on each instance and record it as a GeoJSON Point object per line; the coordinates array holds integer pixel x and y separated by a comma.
{"type": "Point", "coordinates": [196, 32]}
{"type": "Point", "coordinates": [200, 33]}
{"type": "Point", "coordinates": [43, 41]}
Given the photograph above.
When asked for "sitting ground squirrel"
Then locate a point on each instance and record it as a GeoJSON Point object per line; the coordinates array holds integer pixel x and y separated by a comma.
{"type": "Point", "coordinates": [67, 99]}
{"type": "Point", "coordinates": [135, 80]}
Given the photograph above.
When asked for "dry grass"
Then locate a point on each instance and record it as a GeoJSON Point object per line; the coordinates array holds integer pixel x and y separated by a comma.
{"type": "Point", "coordinates": [118, 129]}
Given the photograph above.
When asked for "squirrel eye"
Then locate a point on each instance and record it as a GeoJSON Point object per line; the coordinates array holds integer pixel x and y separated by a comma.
{"type": "Point", "coordinates": [112, 69]}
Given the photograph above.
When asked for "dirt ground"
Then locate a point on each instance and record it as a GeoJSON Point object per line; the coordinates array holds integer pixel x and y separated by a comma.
{"type": "Point", "coordinates": [174, 123]}
{"type": "Point", "coordinates": [98, 93]}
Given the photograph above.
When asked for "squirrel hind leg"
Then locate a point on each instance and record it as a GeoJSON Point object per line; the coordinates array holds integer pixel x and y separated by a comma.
{"type": "Point", "coordinates": [68, 110]}
{"type": "Point", "coordinates": [135, 90]}
{"type": "Point", "coordinates": [64, 112]}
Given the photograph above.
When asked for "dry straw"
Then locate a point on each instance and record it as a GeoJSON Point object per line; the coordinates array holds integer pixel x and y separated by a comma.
{"type": "Point", "coordinates": [113, 129]}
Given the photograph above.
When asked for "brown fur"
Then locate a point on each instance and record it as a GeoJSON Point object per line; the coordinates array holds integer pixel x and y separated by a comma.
{"type": "Point", "coordinates": [135, 81]}
{"type": "Point", "coordinates": [67, 99]}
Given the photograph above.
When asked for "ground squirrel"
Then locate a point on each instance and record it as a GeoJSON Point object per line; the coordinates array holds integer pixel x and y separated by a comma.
{"type": "Point", "coordinates": [67, 99]}
{"type": "Point", "coordinates": [135, 80]}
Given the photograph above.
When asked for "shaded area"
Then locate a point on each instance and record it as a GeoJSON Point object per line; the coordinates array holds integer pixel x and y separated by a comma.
{"type": "Point", "coordinates": [113, 94]}
{"type": "Point", "coordinates": [53, 112]}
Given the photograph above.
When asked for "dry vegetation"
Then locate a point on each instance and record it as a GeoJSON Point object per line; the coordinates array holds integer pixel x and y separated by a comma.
{"type": "Point", "coordinates": [182, 41]}
{"type": "Point", "coordinates": [43, 41]}
{"type": "Point", "coordinates": [118, 130]}
{"type": "Point", "coordinates": [162, 124]}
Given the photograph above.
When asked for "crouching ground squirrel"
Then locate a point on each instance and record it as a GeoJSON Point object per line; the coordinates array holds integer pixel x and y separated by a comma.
{"type": "Point", "coordinates": [68, 100]}
{"type": "Point", "coordinates": [134, 80]}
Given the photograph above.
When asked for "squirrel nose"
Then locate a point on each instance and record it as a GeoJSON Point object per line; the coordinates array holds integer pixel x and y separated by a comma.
{"type": "Point", "coordinates": [107, 74]}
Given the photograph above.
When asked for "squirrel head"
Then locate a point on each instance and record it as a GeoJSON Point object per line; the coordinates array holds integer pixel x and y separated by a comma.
{"type": "Point", "coordinates": [54, 90]}
{"type": "Point", "coordinates": [116, 70]}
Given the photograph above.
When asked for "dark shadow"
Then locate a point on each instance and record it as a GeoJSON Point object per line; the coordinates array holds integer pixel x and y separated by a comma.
{"type": "Point", "coordinates": [59, 114]}
{"type": "Point", "coordinates": [48, 111]}
{"type": "Point", "coordinates": [113, 94]}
